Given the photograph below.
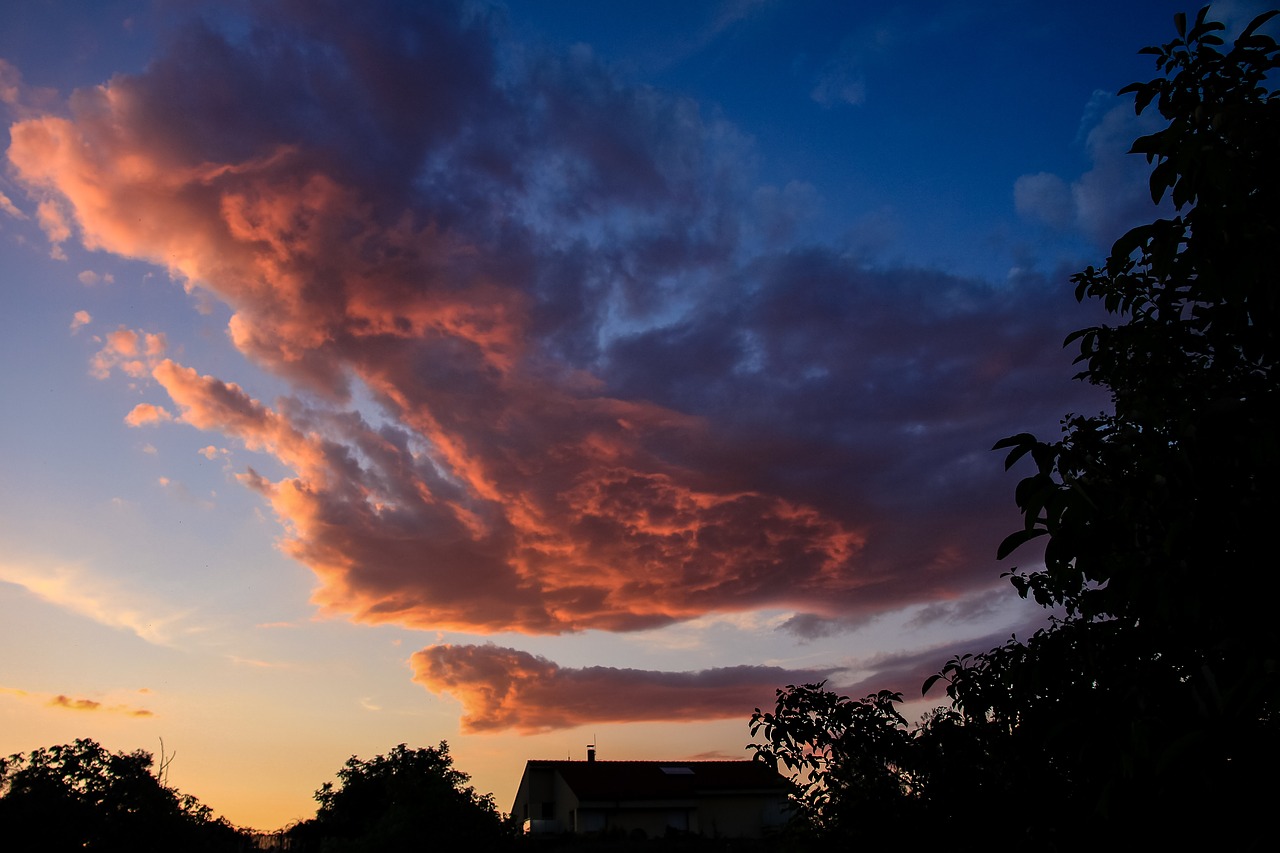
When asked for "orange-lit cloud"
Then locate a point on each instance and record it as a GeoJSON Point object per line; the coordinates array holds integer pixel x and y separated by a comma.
{"type": "Point", "coordinates": [146, 413]}
{"type": "Point", "coordinates": [79, 320]}
{"type": "Point", "coordinates": [134, 353]}
{"type": "Point", "coordinates": [503, 688]}
{"type": "Point", "coordinates": [600, 402]}
{"type": "Point", "coordinates": [63, 701]}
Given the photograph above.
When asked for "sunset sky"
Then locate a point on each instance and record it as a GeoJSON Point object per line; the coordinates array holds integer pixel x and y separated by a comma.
{"type": "Point", "coordinates": [526, 375]}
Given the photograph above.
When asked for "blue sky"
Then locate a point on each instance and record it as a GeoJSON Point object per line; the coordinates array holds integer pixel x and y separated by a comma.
{"type": "Point", "coordinates": [526, 375]}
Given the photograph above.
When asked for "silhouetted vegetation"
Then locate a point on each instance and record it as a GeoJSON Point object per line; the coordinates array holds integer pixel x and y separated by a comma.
{"type": "Point", "coordinates": [407, 800]}
{"type": "Point", "coordinates": [79, 796]}
{"type": "Point", "coordinates": [1147, 707]}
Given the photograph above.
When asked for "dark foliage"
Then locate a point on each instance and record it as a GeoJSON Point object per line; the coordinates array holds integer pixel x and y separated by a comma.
{"type": "Point", "coordinates": [1149, 707]}
{"type": "Point", "coordinates": [407, 800]}
{"type": "Point", "coordinates": [80, 797]}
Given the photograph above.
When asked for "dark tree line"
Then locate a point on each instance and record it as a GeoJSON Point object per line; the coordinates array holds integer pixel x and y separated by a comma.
{"type": "Point", "coordinates": [79, 796]}
{"type": "Point", "coordinates": [1148, 707]}
{"type": "Point", "coordinates": [406, 800]}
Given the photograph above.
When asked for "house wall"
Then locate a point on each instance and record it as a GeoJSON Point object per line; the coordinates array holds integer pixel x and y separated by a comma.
{"type": "Point", "coordinates": [653, 822]}
{"type": "Point", "coordinates": [566, 803]}
{"type": "Point", "coordinates": [544, 803]}
{"type": "Point", "coordinates": [740, 816]}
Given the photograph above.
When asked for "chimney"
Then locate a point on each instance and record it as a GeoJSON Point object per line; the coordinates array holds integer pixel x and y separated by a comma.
{"type": "Point", "coordinates": [591, 753]}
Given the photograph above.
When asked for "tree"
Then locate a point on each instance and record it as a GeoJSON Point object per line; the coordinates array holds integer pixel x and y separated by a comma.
{"type": "Point", "coordinates": [409, 799]}
{"type": "Point", "coordinates": [1156, 687]}
{"type": "Point", "coordinates": [850, 760]}
{"type": "Point", "coordinates": [1157, 517]}
{"type": "Point", "coordinates": [79, 796]}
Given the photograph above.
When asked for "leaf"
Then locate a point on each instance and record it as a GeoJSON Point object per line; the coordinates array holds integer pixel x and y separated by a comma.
{"type": "Point", "coordinates": [1015, 540]}
{"type": "Point", "coordinates": [1020, 438]}
{"type": "Point", "coordinates": [1016, 454]}
{"type": "Point", "coordinates": [1258, 22]}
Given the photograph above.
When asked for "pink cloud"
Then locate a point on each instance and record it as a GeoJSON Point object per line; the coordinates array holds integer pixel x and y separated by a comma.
{"type": "Point", "coordinates": [7, 205]}
{"type": "Point", "coordinates": [79, 320]}
{"type": "Point", "coordinates": [147, 413]}
{"type": "Point", "coordinates": [132, 352]}
{"type": "Point", "coordinates": [502, 688]}
{"type": "Point", "coordinates": [603, 408]}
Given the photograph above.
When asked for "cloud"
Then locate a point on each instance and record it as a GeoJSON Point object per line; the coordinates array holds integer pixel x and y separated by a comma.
{"type": "Point", "coordinates": [7, 205]}
{"type": "Point", "coordinates": [79, 320]}
{"type": "Point", "coordinates": [1113, 195]}
{"type": "Point", "coordinates": [508, 689]}
{"type": "Point", "coordinates": [254, 663]}
{"type": "Point", "coordinates": [61, 700]}
{"type": "Point", "coordinates": [80, 592]}
{"type": "Point", "coordinates": [134, 353]}
{"type": "Point", "coordinates": [54, 223]}
{"type": "Point", "coordinates": [603, 402]}
{"type": "Point", "coordinates": [837, 85]}
{"type": "Point", "coordinates": [502, 688]}
{"type": "Point", "coordinates": [20, 99]}
{"type": "Point", "coordinates": [1046, 197]}
{"type": "Point", "coordinates": [90, 278]}
{"type": "Point", "coordinates": [146, 413]}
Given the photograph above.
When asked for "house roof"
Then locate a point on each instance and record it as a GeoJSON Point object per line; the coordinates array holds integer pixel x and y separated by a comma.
{"type": "Point", "coordinates": [663, 780]}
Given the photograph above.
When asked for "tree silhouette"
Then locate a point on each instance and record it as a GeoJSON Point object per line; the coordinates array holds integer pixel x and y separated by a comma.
{"type": "Point", "coordinates": [79, 796]}
{"type": "Point", "coordinates": [407, 800]}
{"type": "Point", "coordinates": [1155, 691]}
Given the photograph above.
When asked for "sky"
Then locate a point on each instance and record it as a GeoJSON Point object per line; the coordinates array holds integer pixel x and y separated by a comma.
{"type": "Point", "coordinates": [527, 375]}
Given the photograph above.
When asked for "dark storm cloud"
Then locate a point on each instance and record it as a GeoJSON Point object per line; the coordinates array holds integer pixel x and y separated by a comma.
{"type": "Point", "coordinates": [613, 398]}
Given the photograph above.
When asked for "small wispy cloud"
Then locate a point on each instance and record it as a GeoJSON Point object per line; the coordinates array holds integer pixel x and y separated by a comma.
{"type": "Point", "coordinates": [255, 663]}
{"type": "Point", "coordinates": [10, 208]}
{"type": "Point", "coordinates": [89, 278]}
{"type": "Point", "coordinates": [77, 703]}
{"type": "Point", "coordinates": [63, 701]}
{"type": "Point", "coordinates": [79, 591]}
{"type": "Point", "coordinates": [839, 85]}
{"type": "Point", "coordinates": [132, 352]}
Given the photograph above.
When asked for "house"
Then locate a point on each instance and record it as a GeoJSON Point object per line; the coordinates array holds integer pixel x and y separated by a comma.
{"type": "Point", "coordinates": [716, 799]}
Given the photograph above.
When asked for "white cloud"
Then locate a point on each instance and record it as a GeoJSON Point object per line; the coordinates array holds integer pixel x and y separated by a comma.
{"type": "Point", "coordinates": [90, 278]}
{"type": "Point", "coordinates": [1046, 197]}
{"type": "Point", "coordinates": [1113, 195]}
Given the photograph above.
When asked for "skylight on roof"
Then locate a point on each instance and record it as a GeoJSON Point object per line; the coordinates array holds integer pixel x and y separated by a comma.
{"type": "Point", "coordinates": [678, 771]}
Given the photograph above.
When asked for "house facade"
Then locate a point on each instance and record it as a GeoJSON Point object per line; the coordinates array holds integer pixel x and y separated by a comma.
{"type": "Point", "coordinates": [716, 799]}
